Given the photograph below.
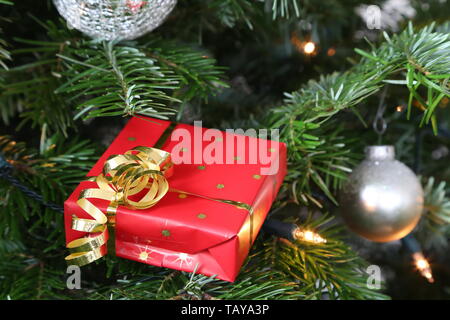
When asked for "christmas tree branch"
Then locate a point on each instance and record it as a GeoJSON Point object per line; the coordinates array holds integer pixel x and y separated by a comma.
{"type": "Point", "coordinates": [4, 53]}
{"type": "Point", "coordinates": [434, 229]}
{"type": "Point", "coordinates": [105, 79]}
{"type": "Point", "coordinates": [118, 80]}
{"type": "Point", "coordinates": [40, 171]}
{"type": "Point", "coordinates": [303, 117]}
{"type": "Point", "coordinates": [328, 270]}
{"type": "Point", "coordinates": [25, 277]}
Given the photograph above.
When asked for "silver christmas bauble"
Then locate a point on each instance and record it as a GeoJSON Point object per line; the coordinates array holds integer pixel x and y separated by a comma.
{"type": "Point", "coordinates": [382, 200]}
{"type": "Point", "coordinates": [114, 19]}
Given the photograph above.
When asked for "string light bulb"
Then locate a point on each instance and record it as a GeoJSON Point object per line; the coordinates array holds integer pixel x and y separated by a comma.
{"type": "Point", "coordinates": [309, 48]}
{"type": "Point", "coordinates": [308, 236]}
{"type": "Point", "coordinates": [292, 232]}
{"type": "Point", "coordinates": [331, 52]}
{"type": "Point", "coordinates": [423, 266]}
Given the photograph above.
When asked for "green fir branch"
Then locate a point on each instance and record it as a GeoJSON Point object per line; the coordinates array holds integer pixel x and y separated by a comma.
{"type": "Point", "coordinates": [331, 270]}
{"type": "Point", "coordinates": [284, 8]}
{"type": "Point", "coordinates": [24, 277]}
{"type": "Point", "coordinates": [306, 110]}
{"type": "Point", "coordinates": [434, 228]}
{"type": "Point", "coordinates": [117, 80]}
{"type": "Point", "coordinates": [53, 172]}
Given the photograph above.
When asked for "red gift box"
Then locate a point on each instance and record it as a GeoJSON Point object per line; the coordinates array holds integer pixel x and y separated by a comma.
{"type": "Point", "coordinates": [189, 231]}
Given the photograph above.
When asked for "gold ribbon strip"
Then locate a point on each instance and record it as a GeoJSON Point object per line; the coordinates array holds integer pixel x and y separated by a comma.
{"type": "Point", "coordinates": [141, 169]}
{"type": "Point", "coordinates": [123, 176]}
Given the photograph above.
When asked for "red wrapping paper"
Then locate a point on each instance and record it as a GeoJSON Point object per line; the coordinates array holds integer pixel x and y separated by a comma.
{"type": "Point", "coordinates": [188, 232]}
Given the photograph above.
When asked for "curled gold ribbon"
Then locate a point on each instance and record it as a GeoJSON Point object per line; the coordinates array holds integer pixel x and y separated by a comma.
{"type": "Point", "coordinates": [139, 170]}
{"type": "Point", "coordinates": [123, 176]}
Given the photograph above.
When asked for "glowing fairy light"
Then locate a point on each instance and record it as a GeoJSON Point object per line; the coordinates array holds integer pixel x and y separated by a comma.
{"type": "Point", "coordinates": [309, 48]}
{"type": "Point", "coordinates": [423, 266]}
{"type": "Point", "coordinates": [331, 52]}
{"type": "Point", "coordinates": [308, 236]}
{"type": "Point", "coordinates": [399, 108]}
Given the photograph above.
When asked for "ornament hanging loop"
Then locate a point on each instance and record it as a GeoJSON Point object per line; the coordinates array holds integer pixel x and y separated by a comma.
{"type": "Point", "coordinates": [379, 126]}
{"type": "Point", "coordinates": [379, 123]}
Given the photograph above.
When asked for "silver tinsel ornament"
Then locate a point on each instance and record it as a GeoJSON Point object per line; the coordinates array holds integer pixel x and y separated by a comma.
{"type": "Point", "coordinates": [114, 19]}
{"type": "Point", "coordinates": [382, 200]}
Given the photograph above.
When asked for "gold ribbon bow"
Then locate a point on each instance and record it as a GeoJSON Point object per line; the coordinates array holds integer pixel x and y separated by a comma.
{"type": "Point", "coordinates": [125, 175]}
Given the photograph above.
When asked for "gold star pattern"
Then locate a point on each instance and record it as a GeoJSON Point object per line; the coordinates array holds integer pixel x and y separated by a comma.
{"type": "Point", "coordinates": [184, 258]}
{"type": "Point", "coordinates": [145, 255]}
